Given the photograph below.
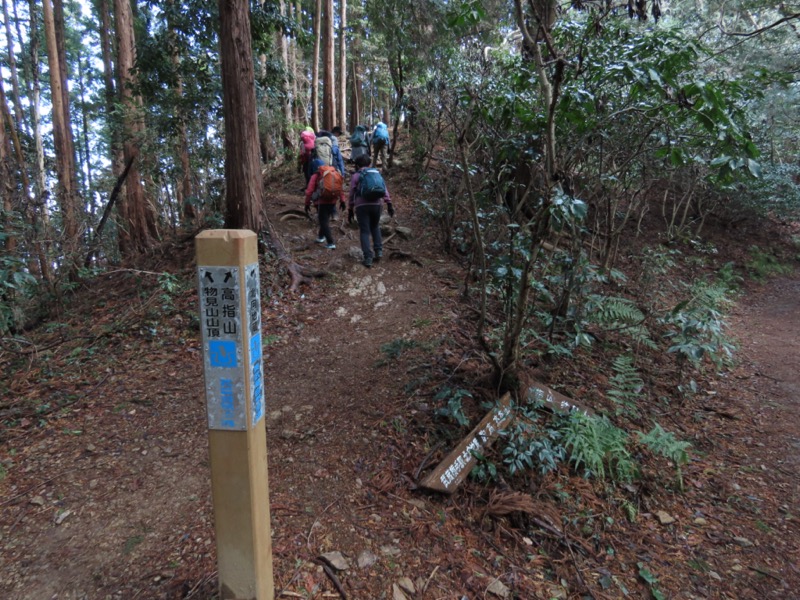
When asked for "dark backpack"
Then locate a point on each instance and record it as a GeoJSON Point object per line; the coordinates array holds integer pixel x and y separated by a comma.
{"type": "Point", "coordinates": [371, 186]}
{"type": "Point", "coordinates": [329, 185]}
{"type": "Point", "coordinates": [359, 137]}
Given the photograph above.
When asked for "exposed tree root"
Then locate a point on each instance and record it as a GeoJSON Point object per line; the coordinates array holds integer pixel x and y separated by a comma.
{"type": "Point", "coordinates": [299, 275]}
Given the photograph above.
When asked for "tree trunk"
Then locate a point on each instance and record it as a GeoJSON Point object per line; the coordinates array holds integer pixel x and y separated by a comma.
{"type": "Point", "coordinates": [294, 101]}
{"type": "Point", "coordinates": [329, 73]}
{"type": "Point", "coordinates": [138, 220]}
{"type": "Point", "coordinates": [356, 95]}
{"type": "Point", "coordinates": [32, 77]}
{"type": "Point", "coordinates": [62, 137]}
{"type": "Point", "coordinates": [86, 162]}
{"type": "Point", "coordinates": [6, 176]}
{"type": "Point", "coordinates": [342, 120]}
{"type": "Point", "coordinates": [117, 159]}
{"type": "Point", "coordinates": [287, 90]}
{"type": "Point", "coordinates": [39, 222]}
{"type": "Point", "coordinates": [315, 120]}
{"type": "Point", "coordinates": [12, 67]}
{"type": "Point", "coordinates": [242, 168]}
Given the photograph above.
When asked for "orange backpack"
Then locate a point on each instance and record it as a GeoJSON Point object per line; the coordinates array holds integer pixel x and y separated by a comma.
{"type": "Point", "coordinates": [329, 185]}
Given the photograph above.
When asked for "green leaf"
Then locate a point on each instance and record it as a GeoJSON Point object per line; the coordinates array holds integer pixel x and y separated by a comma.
{"type": "Point", "coordinates": [646, 575]}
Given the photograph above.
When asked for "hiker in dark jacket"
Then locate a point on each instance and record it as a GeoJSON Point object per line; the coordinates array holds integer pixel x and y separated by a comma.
{"type": "Point", "coordinates": [368, 214]}
{"type": "Point", "coordinates": [326, 208]}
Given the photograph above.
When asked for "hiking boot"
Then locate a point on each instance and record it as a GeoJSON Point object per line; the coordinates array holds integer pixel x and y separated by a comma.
{"type": "Point", "coordinates": [321, 240]}
{"type": "Point", "coordinates": [367, 263]}
{"type": "Point", "coordinates": [330, 246]}
{"type": "Point", "coordinates": [378, 255]}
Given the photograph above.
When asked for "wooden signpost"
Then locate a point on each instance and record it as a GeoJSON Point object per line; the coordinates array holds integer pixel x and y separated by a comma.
{"type": "Point", "coordinates": [230, 319]}
{"type": "Point", "coordinates": [457, 465]}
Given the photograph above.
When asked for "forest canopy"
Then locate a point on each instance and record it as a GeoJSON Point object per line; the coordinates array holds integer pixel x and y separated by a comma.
{"type": "Point", "coordinates": [554, 118]}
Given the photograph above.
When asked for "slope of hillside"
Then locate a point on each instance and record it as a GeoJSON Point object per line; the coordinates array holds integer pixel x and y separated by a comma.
{"type": "Point", "coordinates": [105, 488]}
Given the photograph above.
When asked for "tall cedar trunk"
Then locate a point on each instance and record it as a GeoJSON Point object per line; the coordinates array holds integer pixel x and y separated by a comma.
{"type": "Point", "coordinates": [315, 66]}
{"type": "Point", "coordinates": [283, 45]}
{"type": "Point", "coordinates": [109, 84]}
{"type": "Point", "coordinates": [62, 138]}
{"type": "Point", "coordinates": [398, 80]}
{"type": "Point", "coordinates": [355, 98]}
{"type": "Point", "coordinates": [356, 94]}
{"type": "Point", "coordinates": [12, 66]}
{"type": "Point", "coordinates": [242, 168]}
{"type": "Point", "coordinates": [58, 17]}
{"type": "Point", "coordinates": [86, 163]}
{"type": "Point", "coordinates": [138, 220]}
{"type": "Point", "coordinates": [39, 217]}
{"type": "Point", "coordinates": [329, 76]}
{"type": "Point", "coordinates": [183, 190]}
{"type": "Point", "coordinates": [342, 120]}
{"type": "Point", "coordinates": [300, 97]}
{"type": "Point", "coordinates": [293, 101]}
{"type": "Point", "coordinates": [286, 89]}
{"type": "Point", "coordinates": [32, 76]}
{"type": "Point", "coordinates": [6, 176]}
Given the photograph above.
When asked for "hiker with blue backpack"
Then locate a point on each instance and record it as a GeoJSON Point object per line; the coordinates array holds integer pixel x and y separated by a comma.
{"type": "Point", "coordinates": [368, 194]}
{"type": "Point", "coordinates": [380, 141]}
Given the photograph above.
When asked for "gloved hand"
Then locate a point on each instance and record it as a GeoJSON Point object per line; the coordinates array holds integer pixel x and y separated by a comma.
{"type": "Point", "coordinates": [391, 210]}
{"type": "Point", "coordinates": [350, 216]}
{"type": "Point", "coordinates": [342, 206]}
{"type": "Point", "coordinates": [308, 211]}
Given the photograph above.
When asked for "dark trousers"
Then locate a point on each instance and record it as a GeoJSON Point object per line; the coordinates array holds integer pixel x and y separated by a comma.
{"type": "Point", "coordinates": [369, 224]}
{"type": "Point", "coordinates": [324, 212]}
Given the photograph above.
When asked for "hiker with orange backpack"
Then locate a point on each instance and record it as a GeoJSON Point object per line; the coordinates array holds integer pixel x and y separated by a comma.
{"type": "Point", "coordinates": [325, 189]}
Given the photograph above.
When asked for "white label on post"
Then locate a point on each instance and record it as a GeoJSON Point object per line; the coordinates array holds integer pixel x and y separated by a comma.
{"type": "Point", "coordinates": [253, 304]}
{"type": "Point", "coordinates": [223, 359]}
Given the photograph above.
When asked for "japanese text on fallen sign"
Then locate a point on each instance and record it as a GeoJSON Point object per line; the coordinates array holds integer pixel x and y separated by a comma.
{"type": "Point", "coordinates": [455, 467]}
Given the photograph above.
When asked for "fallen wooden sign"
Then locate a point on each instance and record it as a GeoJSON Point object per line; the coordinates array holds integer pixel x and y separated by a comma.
{"type": "Point", "coordinates": [457, 465]}
{"type": "Point", "coordinates": [553, 400]}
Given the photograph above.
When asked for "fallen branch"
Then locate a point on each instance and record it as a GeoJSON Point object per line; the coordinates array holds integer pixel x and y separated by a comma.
{"type": "Point", "coordinates": [332, 576]}
{"type": "Point", "coordinates": [99, 229]}
{"type": "Point", "coordinates": [764, 572]}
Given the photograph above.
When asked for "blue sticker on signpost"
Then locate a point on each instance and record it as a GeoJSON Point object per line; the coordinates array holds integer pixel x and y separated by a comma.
{"type": "Point", "coordinates": [222, 354]}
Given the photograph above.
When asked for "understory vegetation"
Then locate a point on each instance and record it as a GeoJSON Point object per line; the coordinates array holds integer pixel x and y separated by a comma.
{"type": "Point", "coordinates": [574, 165]}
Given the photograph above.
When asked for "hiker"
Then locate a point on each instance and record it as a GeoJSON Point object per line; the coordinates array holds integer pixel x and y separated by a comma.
{"type": "Point", "coordinates": [325, 190]}
{"type": "Point", "coordinates": [380, 141]}
{"type": "Point", "coordinates": [368, 194]}
{"type": "Point", "coordinates": [327, 148]}
{"type": "Point", "coordinates": [307, 138]}
{"type": "Point", "coordinates": [359, 145]}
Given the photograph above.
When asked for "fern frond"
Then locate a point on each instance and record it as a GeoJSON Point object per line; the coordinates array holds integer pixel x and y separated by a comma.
{"type": "Point", "coordinates": [612, 313]}
{"type": "Point", "coordinates": [626, 385]}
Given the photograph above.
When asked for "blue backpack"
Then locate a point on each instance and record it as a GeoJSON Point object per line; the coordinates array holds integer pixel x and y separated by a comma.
{"type": "Point", "coordinates": [371, 186]}
{"type": "Point", "coordinates": [381, 133]}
